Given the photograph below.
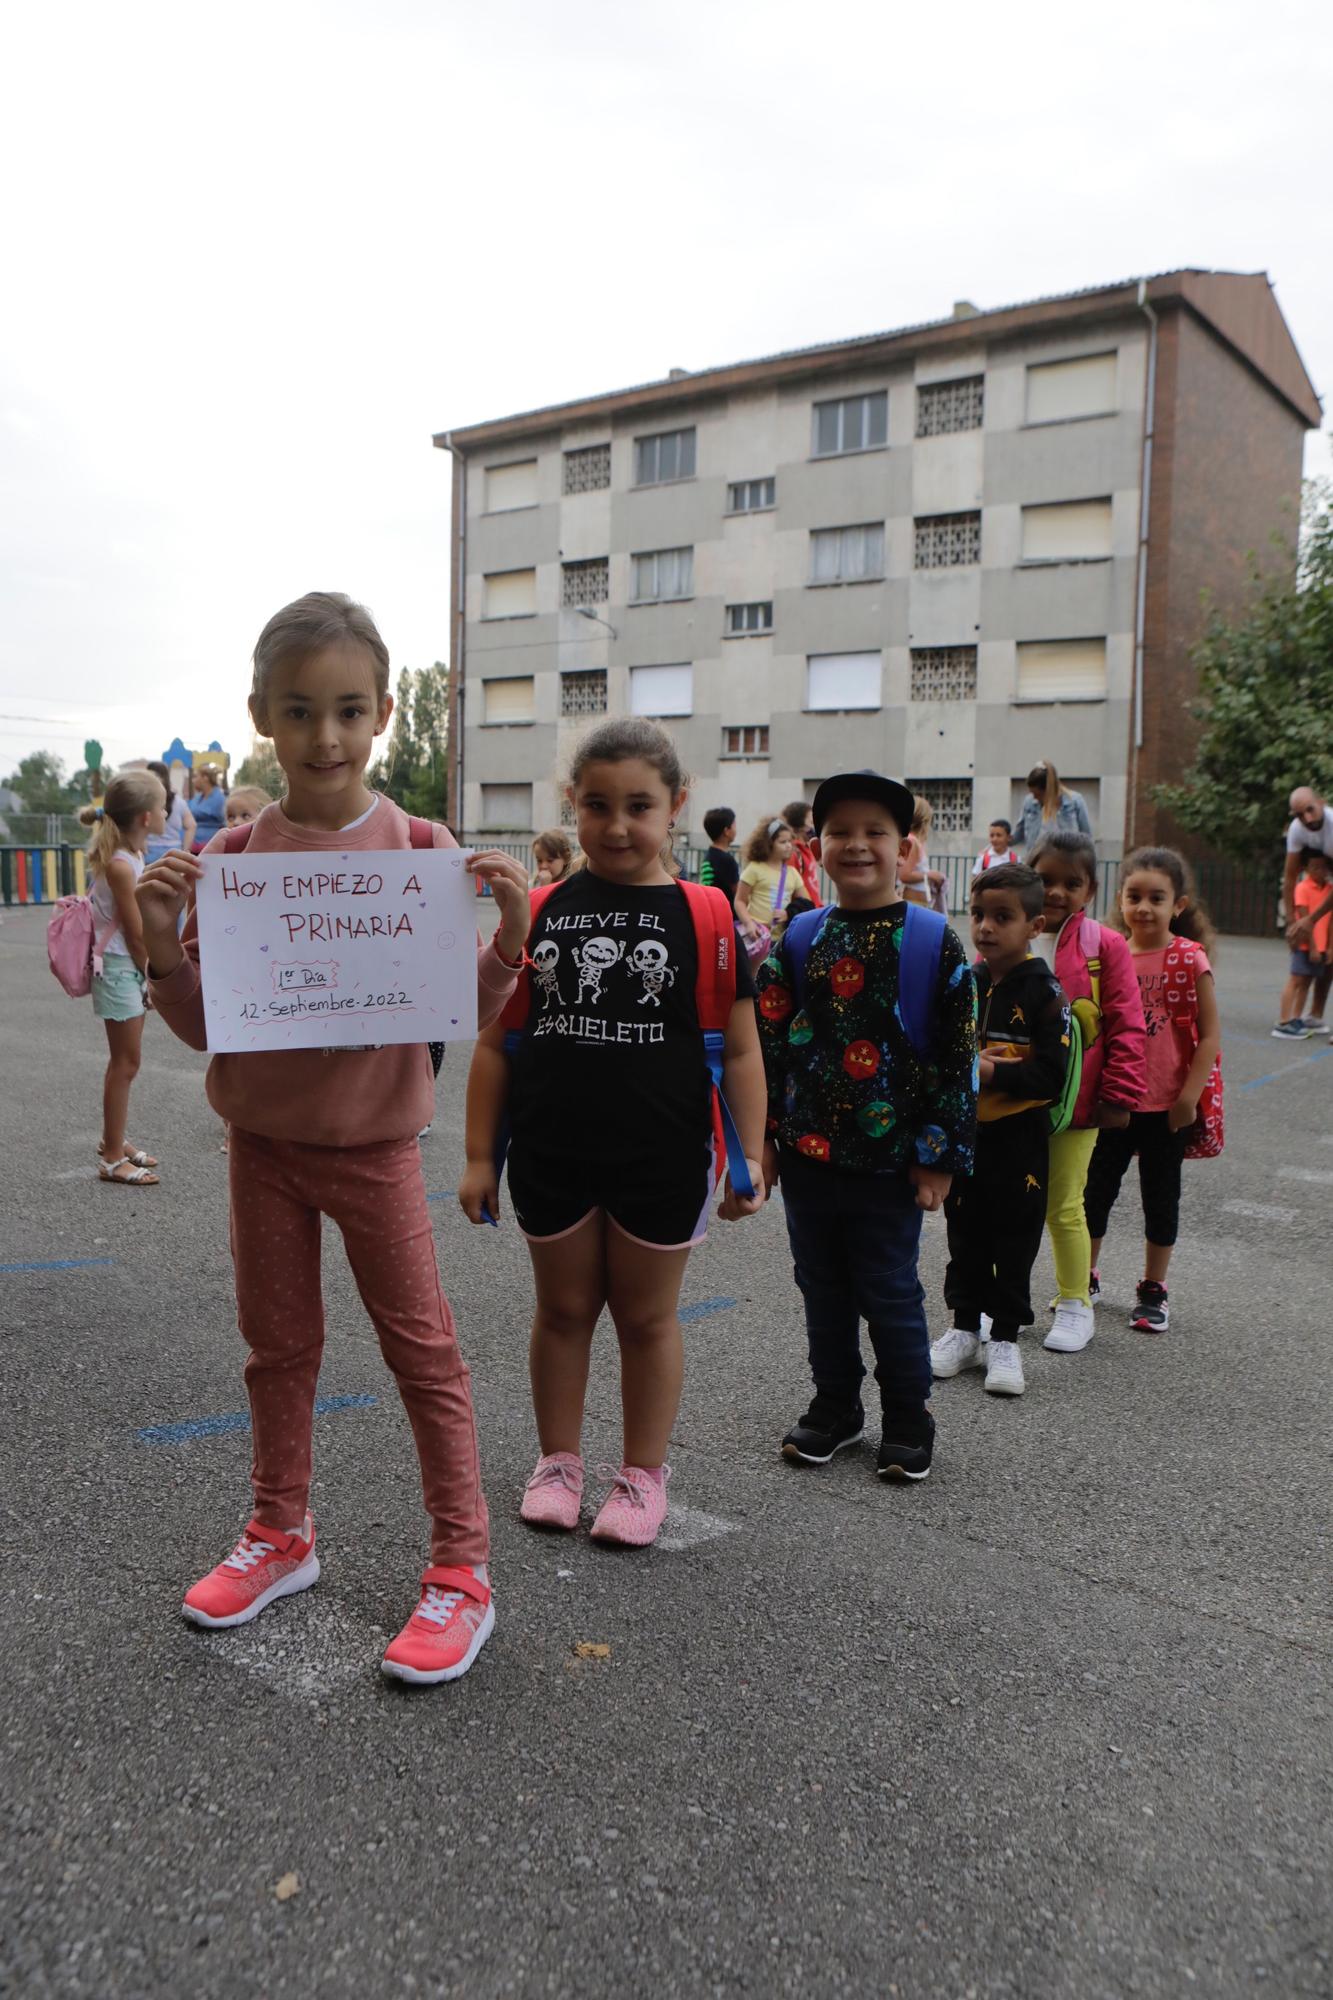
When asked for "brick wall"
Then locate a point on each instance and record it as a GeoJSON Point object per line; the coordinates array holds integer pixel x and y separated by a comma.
{"type": "Point", "coordinates": [1226, 474]}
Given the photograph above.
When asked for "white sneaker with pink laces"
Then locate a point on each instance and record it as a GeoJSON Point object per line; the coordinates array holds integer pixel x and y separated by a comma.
{"type": "Point", "coordinates": [447, 1630]}
{"type": "Point", "coordinates": [264, 1565]}
{"type": "Point", "coordinates": [634, 1509]}
{"type": "Point", "coordinates": [554, 1494]}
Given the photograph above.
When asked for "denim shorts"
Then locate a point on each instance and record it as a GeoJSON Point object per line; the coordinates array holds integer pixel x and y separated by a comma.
{"type": "Point", "coordinates": [1302, 966]}
{"type": "Point", "coordinates": [118, 989]}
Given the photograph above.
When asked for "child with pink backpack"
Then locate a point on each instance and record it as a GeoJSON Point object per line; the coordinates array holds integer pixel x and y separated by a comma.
{"type": "Point", "coordinates": [95, 945]}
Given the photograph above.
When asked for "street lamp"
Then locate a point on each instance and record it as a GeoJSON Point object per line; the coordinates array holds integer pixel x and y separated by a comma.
{"type": "Point", "coordinates": [584, 612]}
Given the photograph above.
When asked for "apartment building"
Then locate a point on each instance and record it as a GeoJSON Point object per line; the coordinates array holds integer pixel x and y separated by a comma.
{"type": "Point", "coordinates": [944, 552]}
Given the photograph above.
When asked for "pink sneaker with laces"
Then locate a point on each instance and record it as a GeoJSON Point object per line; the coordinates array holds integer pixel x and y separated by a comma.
{"type": "Point", "coordinates": [447, 1630]}
{"type": "Point", "coordinates": [634, 1509]}
{"type": "Point", "coordinates": [264, 1565]}
{"type": "Point", "coordinates": [554, 1494]}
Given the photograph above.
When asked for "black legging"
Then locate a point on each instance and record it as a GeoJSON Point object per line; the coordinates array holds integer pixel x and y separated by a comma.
{"type": "Point", "coordinates": [1160, 1152]}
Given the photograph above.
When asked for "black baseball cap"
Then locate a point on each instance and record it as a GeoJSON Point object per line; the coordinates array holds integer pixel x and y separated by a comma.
{"type": "Point", "coordinates": [891, 793]}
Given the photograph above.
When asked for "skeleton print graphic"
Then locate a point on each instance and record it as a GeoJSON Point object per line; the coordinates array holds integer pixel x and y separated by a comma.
{"type": "Point", "coordinates": [544, 961]}
{"type": "Point", "coordinates": [594, 959]}
{"type": "Point", "coordinates": [648, 961]}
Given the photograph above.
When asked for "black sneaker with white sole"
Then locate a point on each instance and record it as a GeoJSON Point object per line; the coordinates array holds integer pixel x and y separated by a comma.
{"type": "Point", "coordinates": [826, 1427]}
{"type": "Point", "coordinates": [906, 1447]}
{"type": "Point", "coordinates": [1150, 1310]}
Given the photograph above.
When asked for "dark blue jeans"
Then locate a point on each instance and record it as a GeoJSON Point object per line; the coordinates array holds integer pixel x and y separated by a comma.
{"type": "Point", "coordinates": [854, 1241]}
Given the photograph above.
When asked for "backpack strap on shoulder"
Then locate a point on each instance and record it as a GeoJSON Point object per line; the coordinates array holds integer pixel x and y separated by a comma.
{"type": "Point", "coordinates": [918, 973]}
{"type": "Point", "coordinates": [236, 839]}
{"type": "Point", "coordinates": [1090, 943]}
{"type": "Point", "coordinates": [714, 997]}
{"type": "Point", "coordinates": [421, 831]}
{"type": "Point", "coordinates": [799, 940]}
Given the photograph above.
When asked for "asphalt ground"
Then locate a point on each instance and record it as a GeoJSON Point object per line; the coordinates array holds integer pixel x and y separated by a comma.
{"type": "Point", "coordinates": [1054, 1723]}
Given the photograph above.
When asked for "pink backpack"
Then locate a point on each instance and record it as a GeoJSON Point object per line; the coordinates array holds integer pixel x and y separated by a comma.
{"type": "Point", "coordinates": [74, 944]}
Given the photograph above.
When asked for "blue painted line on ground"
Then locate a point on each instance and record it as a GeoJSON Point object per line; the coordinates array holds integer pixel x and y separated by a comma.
{"type": "Point", "coordinates": [704, 1308]}
{"type": "Point", "coordinates": [61, 1264]}
{"type": "Point", "coordinates": [237, 1420]}
{"type": "Point", "coordinates": [445, 1194]}
{"type": "Point", "coordinates": [1288, 1070]}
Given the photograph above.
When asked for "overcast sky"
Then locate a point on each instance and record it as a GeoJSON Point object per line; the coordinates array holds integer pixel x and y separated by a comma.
{"type": "Point", "coordinates": [254, 255]}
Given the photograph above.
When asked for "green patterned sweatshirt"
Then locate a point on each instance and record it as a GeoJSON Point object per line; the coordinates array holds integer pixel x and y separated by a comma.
{"type": "Point", "coordinates": [845, 1084]}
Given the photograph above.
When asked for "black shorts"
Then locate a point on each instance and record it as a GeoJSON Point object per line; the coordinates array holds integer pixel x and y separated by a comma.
{"type": "Point", "coordinates": [668, 1211]}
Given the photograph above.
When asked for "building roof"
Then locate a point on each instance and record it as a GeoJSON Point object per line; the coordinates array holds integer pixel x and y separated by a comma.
{"type": "Point", "coordinates": [1239, 306]}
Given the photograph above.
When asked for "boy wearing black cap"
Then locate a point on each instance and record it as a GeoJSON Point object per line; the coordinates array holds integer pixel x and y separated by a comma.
{"type": "Point", "coordinates": [868, 1022]}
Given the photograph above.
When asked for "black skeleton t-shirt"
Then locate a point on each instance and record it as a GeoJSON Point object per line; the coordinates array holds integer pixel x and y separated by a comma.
{"type": "Point", "coordinates": [610, 1070]}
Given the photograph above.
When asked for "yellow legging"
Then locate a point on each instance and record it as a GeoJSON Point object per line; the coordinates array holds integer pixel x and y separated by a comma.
{"type": "Point", "coordinates": [1070, 1158]}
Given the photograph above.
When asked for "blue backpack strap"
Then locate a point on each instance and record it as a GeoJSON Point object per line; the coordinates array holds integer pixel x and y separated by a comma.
{"type": "Point", "coordinates": [798, 941]}
{"type": "Point", "coordinates": [918, 973]}
{"type": "Point", "coordinates": [738, 1171]}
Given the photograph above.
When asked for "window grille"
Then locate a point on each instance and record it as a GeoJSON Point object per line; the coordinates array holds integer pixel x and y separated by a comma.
{"type": "Point", "coordinates": [950, 406]}
{"type": "Point", "coordinates": [749, 740]}
{"type": "Point", "coordinates": [588, 469]}
{"type": "Point", "coordinates": [568, 817]}
{"type": "Point", "coordinates": [944, 673]}
{"type": "Point", "coordinates": [667, 455]}
{"type": "Point", "coordinates": [951, 802]}
{"type": "Point", "coordinates": [749, 496]}
{"type": "Point", "coordinates": [852, 423]}
{"type": "Point", "coordinates": [943, 541]}
{"type": "Point", "coordinates": [742, 618]}
{"type": "Point", "coordinates": [584, 692]}
{"type": "Point", "coordinates": [585, 582]}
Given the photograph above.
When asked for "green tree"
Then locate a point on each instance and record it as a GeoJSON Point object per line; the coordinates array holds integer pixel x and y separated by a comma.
{"type": "Point", "coordinates": [1265, 697]}
{"type": "Point", "coordinates": [261, 768]}
{"type": "Point", "coordinates": [413, 770]}
{"type": "Point", "coordinates": [41, 784]}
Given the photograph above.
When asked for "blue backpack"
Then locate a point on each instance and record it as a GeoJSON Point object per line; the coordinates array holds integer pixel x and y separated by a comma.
{"type": "Point", "coordinates": [918, 965]}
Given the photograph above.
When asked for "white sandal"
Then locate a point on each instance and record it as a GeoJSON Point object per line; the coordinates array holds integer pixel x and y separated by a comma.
{"type": "Point", "coordinates": [108, 1170]}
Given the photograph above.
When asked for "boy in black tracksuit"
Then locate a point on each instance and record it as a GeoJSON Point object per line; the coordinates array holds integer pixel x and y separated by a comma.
{"type": "Point", "coordinates": [995, 1219]}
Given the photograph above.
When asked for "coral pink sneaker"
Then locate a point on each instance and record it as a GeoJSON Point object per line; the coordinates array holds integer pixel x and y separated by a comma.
{"type": "Point", "coordinates": [446, 1631]}
{"type": "Point", "coordinates": [634, 1509]}
{"type": "Point", "coordinates": [553, 1495]}
{"type": "Point", "coordinates": [263, 1565]}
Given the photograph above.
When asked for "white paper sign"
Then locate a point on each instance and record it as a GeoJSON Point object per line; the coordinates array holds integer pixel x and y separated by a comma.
{"type": "Point", "coordinates": [319, 950]}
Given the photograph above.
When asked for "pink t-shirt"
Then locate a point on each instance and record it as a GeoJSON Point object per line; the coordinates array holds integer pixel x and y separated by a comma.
{"type": "Point", "coordinates": [1172, 1037]}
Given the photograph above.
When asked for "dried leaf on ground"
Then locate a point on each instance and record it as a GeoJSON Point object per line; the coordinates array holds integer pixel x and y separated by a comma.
{"type": "Point", "coordinates": [591, 1649]}
{"type": "Point", "coordinates": [285, 1889]}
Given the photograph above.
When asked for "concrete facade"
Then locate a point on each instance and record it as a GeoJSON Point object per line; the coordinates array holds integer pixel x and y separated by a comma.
{"type": "Point", "coordinates": [1229, 395]}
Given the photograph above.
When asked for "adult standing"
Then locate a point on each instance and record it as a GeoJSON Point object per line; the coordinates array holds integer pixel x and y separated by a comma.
{"type": "Point", "coordinates": [1310, 832]}
{"type": "Point", "coordinates": [208, 802]}
{"type": "Point", "coordinates": [180, 820]}
{"type": "Point", "coordinates": [1050, 807]}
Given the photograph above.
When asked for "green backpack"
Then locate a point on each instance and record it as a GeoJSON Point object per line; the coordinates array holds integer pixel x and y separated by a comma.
{"type": "Point", "coordinates": [1085, 1024]}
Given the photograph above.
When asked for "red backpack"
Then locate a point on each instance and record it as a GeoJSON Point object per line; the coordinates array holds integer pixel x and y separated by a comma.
{"type": "Point", "coordinates": [1207, 1135]}
{"type": "Point", "coordinates": [714, 997]}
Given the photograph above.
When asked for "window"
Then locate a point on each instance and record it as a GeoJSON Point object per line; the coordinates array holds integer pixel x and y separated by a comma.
{"type": "Point", "coordinates": [751, 496]}
{"type": "Point", "coordinates": [584, 692]}
{"type": "Point", "coordinates": [506, 808]}
{"type": "Point", "coordinates": [749, 740]}
{"type": "Point", "coordinates": [588, 469]}
{"type": "Point", "coordinates": [1061, 669]}
{"type": "Point", "coordinates": [661, 690]}
{"type": "Point", "coordinates": [743, 618]}
{"type": "Point", "coordinates": [950, 406]}
{"type": "Point", "coordinates": [585, 582]}
{"type": "Point", "coordinates": [847, 555]}
{"type": "Point", "coordinates": [842, 680]}
{"type": "Point", "coordinates": [509, 593]}
{"type": "Point", "coordinates": [944, 673]}
{"type": "Point", "coordinates": [853, 423]}
{"type": "Point", "coordinates": [568, 816]}
{"type": "Point", "coordinates": [510, 486]}
{"type": "Point", "coordinates": [951, 802]}
{"type": "Point", "coordinates": [507, 700]}
{"type": "Point", "coordinates": [664, 574]}
{"type": "Point", "coordinates": [1058, 390]}
{"type": "Point", "coordinates": [943, 541]}
{"type": "Point", "coordinates": [668, 455]}
{"type": "Point", "coordinates": [1074, 531]}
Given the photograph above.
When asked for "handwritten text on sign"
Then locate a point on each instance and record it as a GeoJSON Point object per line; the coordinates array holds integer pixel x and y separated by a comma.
{"type": "Point", "coordinates": [311, 951]}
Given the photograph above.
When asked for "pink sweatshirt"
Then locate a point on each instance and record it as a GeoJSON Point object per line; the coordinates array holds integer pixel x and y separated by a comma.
{"type": "Point", "coordinates": [1115, 1066]}
{"type": "Point", "coordinates": [326, 1097]}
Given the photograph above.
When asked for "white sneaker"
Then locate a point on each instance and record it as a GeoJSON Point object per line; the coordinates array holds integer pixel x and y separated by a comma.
{"type": "Point", "coordinates": [1004, 1368]}
{"type": "Point", "coordinates": [954, 1351]}
{"type": "Point", "coordinates": [1072, 1327]}
{"type": "Point", "coordinates": [1315, 1025]}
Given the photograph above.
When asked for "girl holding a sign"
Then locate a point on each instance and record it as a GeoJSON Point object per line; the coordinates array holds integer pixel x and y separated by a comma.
{"type": "Point", "coordinates": [332, 1131]}
{"type": "Point", "coordinates": [605, 1087]}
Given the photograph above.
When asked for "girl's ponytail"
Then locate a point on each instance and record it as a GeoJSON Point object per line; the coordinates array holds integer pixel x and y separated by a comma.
{"type": "Point", "coordinates": [129, 794]}
{"type": "Point", "coordinates": [1044, 780]}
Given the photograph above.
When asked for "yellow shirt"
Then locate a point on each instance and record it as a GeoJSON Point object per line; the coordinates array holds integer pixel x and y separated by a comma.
{"type": "Point", "coordinates": [763, 877]}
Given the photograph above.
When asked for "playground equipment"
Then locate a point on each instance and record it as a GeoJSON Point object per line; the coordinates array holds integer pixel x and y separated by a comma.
{"type": "Point", "coordinates": [180, 762]}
